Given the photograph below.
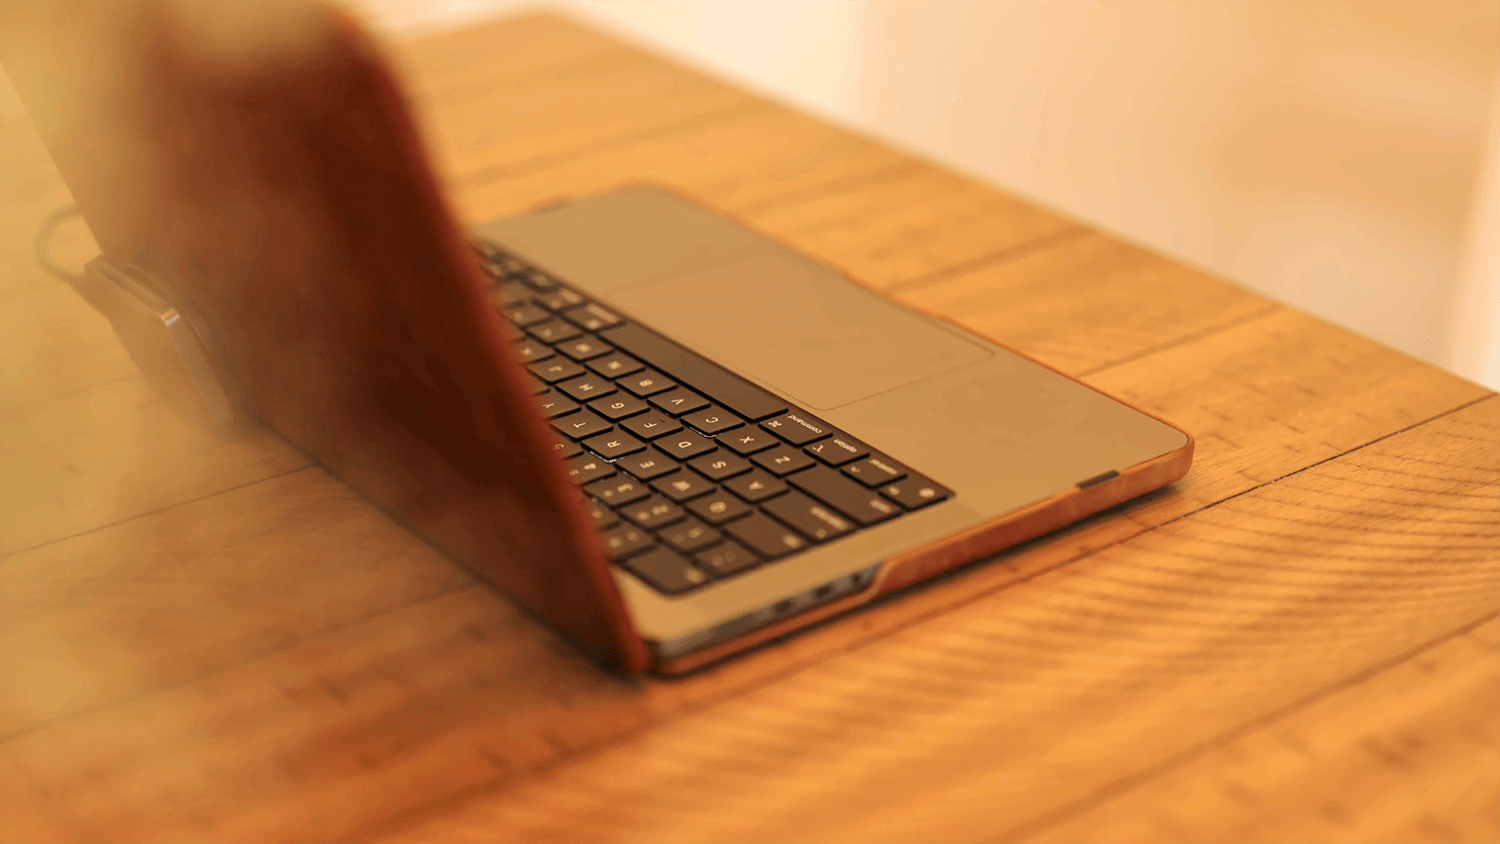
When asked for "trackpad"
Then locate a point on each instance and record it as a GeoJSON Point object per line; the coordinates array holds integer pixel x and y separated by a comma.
{"type": "Point", "coordinates": [799, 328]}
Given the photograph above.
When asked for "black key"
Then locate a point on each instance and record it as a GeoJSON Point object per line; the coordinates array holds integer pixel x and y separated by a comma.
{"type": "Point", "coordinates": [554, 404]}
{"type": "Point", "coordinates": [537, 280]}
{"type": "Point", "coordinates": [586, 468]}
{"type": "Point", "coordinates": [811, 518]}
{"type": "Point", "coordinates": [538, 386]}
{"type": "Point", "coordinates": [720, 466]}
{"type": "Point", "coordinates": [616, 365]}
{"type": "Point", "coordinates": [876, 470]}
{"type": "Point", "coordinates": [587, 387]}
{"type": "Point", "coordinates": [838, 450]}
{"type": "Point", "coordinates": [712, 380]}
{"type": "Point", "coordinates": [689, 536]}
{"type": "Point", "coordinates": [748, 441]}
{"type": "Point", "coordinates": [858, 502]}
{"type": "Point", "coordinates": [782, 460]}
{"type": "Point", "coordinates": [915, 491]}
{"type": "Point", "coordinates": [681, 486]}
{"type": "Point", "coordinates": [591, 317]}
{"type": "Point", "coordinates": [726, 558]}
{"type": "Point", "coordinates": [559, 299]}
{"type": "Point", "coordinates": [679, 401]}
{"type": "Point", "coordinates": [614, 444]}
{"type": "Point", "coordinates": [797, 428]}
{"type": "Point", "coordinates": [765, 536]}
{"type": "Point", "coordinates": [625, 540]}
{"type": "Point", "coordinates": [685, 445]}
{"type": "Point", "coordinates": [532, 350]}
{"type": "Point", "coordinates": [652, 425]}
{"type": "Point", "coordinates": [563, 447]}
{"type": "Point", "coordinates": [756, 486]}
{"type": "Point", "coordinates": [556, 370]}
{"type": "Point", "coordinates": [584, 348]}
{"type": "Point", "coordinates": [648, 464]}
{"type": "Point", "coordinates": [527, 314]}
{"type": "Point", "coordinates": [604, 518]}
{"type": "Point", "coordinates": [666, 571]}
{"type": "Point", "coordinates": [647, 383]}
{"type": "Point", "coordinates": [617, 406]}
{"type": "Point", "coordinates": [653, 512]}
{"type": "Point", "coordinates": [553, 331]}
{"type": "Point", "coordinates": [718, 507]}
{"type": "Point", "coordinates": [713, 420]}
{"type": "Point", "coordinates": [508, 294]}
{"type": "Point", "coordinates": [617, 490]}
{"type": "Point", "coordinates": [580, 425]}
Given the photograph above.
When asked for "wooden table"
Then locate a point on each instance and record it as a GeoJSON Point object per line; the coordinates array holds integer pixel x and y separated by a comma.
{"type": "Point", "coordinates": [212, 640]}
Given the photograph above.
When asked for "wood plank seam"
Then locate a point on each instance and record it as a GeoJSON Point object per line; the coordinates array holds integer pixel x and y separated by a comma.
{"type": "Point", "coordinates": [988, 260]}
{"type": "Point", "coordinates": [511, 778]}
{"type": "Point", "coordinates": [1248, 728]}
{"type": "Point", "coordinates": [1262, 313]}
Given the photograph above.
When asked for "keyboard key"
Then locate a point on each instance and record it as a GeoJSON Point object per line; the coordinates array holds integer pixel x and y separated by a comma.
{"type": "Point", "coordinates": [713, 420]}
{"type": "Point", "coordinates": [748, 441]}
{"type": "Point", "coordinates": [617, 490]}
{"type": "Point", "coordinates": [689, 536]}
{"type": "Point", "coordinates": [763, 535]}
{"type": "Point", "coordinates": [679, 401]}
{"type": "Point", "coordinates": [527, 314]}
{"type": "Point", "coordinates": [509, 294]}
{"type": "Point", "coordinates": [647, 383]}
{"type": "Point", "coordinates": [685, 445]}
{"type": "Point", "coordinates": [625, 540]}
{"type": "Point", "coordinates": [617, 406]}
{"type": "Point", "coordinates": [797, 428]}
{"type": "Point", "coordinates": [554, 404]}
{"type": "Point", "coordinates": [583, 348]}
{"type": "Point", "coordinates": [587, 387]}
{"type": "Point", "coordinates": [563, 447]}
{"type": "Point", "coordinates": [666, 571]}
{"type": "Point", "coordinates": [615, 365]}
{"type": "Point", "coordinates": [858, 502]}
{"type": "Point", "coordinates": [591, 317]}
{"type": "Point", "coordinates": [652, 425]}
{"type": "Point", "coordinates": [553, 331]}
{"type": "Point", "coordinates": [537, 280]}
{"type": "Point", "coordinates": [838, 450]}
{"type": "Point", "coordinates": [559, 299]}
{"type": "Point", "coordinates": [782, 460]}
{"type": "Point", "coordinates": [555, 370]}
{"type": "Point", "coordinates": [756, 486]}
{"type": "Point", "coordinates": [809, 517]}
{"type": "Point", "coordinates": [720, 466]}
{"type": "Point", "coordinates": [581, 424]}
{"type": "Point", "coordinates": [682, 485]}
{"type": "Point", "coordinates": [726, 558]}
{"type": "Point", "coordinates": [718, 507]}
{"type": "Point", "coordinates": [538, 386]}
{"type": "Point", "coordinates": [586, 468]}
{"type": "Point", "coordinates": [648, 464]}
{"type": "Point", "coordinates": [603, 518]}
{"type": "Point", "coordinates": [653, 512]}
{"type": "Point", "coordinates": [874, 471]}
{"type": "Point", "coordinates": [915, 491]}
{"type": "Point", "coordinates": [614, 444]}
{"type": "Point", "coordinates": [719, 384]}
{"type": "Point", "coordinates": [532, 350]}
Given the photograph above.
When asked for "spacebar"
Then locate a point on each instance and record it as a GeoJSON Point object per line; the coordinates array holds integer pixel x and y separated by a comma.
{"type": "Point", "coordinates": [693, 371]}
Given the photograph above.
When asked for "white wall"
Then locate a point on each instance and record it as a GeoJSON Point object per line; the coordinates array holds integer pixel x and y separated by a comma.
{"type": "Point", "coordinates": [1324, 153]}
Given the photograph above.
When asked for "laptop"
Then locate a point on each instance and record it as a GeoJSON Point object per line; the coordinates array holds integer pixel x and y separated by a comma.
{"type": "Point", "coordinates": [667, 435]}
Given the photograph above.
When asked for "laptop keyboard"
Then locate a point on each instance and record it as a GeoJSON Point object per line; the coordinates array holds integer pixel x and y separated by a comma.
{"type": "Point", "coordinates": [691, 473]}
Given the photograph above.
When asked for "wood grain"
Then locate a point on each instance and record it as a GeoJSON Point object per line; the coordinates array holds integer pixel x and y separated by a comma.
{"type": "Point", "coordinates": [226, 645]}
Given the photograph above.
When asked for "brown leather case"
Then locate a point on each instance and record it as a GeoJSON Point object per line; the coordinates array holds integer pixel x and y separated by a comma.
{"type": "Point", "coordinates": [258, 161]}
